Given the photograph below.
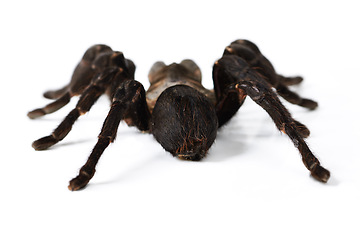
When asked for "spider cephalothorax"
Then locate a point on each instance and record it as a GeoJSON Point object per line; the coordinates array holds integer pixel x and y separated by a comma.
{"type": "Point", "coordinates": [182, 115]}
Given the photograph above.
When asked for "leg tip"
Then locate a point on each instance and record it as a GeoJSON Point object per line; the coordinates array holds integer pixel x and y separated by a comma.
{"type": "Point", "coordinates": [72, 187]}
{"type": "Point", "coordinates": [303, 130]}
{"type": "Point", "coordinates": [44, 143]}
{"type": "Point", "coordinates": [321, 174]}
{"type": "Point", "coordinates": [77, 183]}
{"type": "Point", "coordinates": [310, 104]}
{"type": "Point", "coordinates": [36, 113]}
{"type": "Point", "coordinates": [49, 95]}
{"type": "Point", "coordinates": [297, 80]}
{"type": "Point", "coordinates": [290, 81]}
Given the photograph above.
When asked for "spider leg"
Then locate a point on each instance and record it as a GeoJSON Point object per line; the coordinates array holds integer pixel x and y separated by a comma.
{"type": "Point", "coordinates": [302, 129]}
{"type": "Point", "coordinates": [87, 99]}
{"type": "Point", "coordinates": [251, 53]}
{"type": "Point", "coordinates": [289, 81]}
{"type": "Point", "coordinates": [129, 97]}
{"type": "Point", "coordinates": [294, 98]}
{"type": "Point", "coordinates": [50, 108]}
{"type": "Point", "coordinates": [55, 94]}
{"type": "Point", "coordinates": [230, 100]}
{"type": "Point", "coordinates": [81, 78]}
{"type": "Point", "coordinates": [247, 81]}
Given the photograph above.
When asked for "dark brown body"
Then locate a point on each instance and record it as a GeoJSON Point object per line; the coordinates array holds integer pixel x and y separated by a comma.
{"type": "Point", "coordinates": [183, 119]}
{"type": "Point", "coordinates": [182, 115]}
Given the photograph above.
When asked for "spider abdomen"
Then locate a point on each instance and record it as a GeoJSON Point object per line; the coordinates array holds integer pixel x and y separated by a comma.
{"type": "Point", "coordinates": [184, 122]}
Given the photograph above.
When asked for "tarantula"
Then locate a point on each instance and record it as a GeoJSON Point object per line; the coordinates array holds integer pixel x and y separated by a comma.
{"type": "Point", "coordinates": [182, 115]}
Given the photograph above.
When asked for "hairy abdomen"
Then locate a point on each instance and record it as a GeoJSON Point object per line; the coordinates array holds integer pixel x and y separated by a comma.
{"type": "Point", "coordinates": [184, 122]}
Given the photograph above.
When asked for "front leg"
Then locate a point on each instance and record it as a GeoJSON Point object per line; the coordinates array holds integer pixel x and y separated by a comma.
{"type": "Point", "coordinates": [246, 80]}
{"type": "Point", "coordinates": [129, 102]}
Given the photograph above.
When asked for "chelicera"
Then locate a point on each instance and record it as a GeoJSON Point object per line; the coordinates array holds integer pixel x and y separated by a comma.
{"type": "Point", "coordinates": [182, 115]}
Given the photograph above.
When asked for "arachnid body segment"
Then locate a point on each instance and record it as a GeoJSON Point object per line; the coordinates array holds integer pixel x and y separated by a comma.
{"type": "Point", "coordinates": [184, 122]}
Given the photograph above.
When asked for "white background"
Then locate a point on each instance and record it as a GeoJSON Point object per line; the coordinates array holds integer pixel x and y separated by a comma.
{"type": "Point", "coordinates": [252, 185]}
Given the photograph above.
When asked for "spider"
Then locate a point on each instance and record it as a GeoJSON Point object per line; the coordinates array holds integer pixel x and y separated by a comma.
{"type": "Point", "coordinates": [182, 115]}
